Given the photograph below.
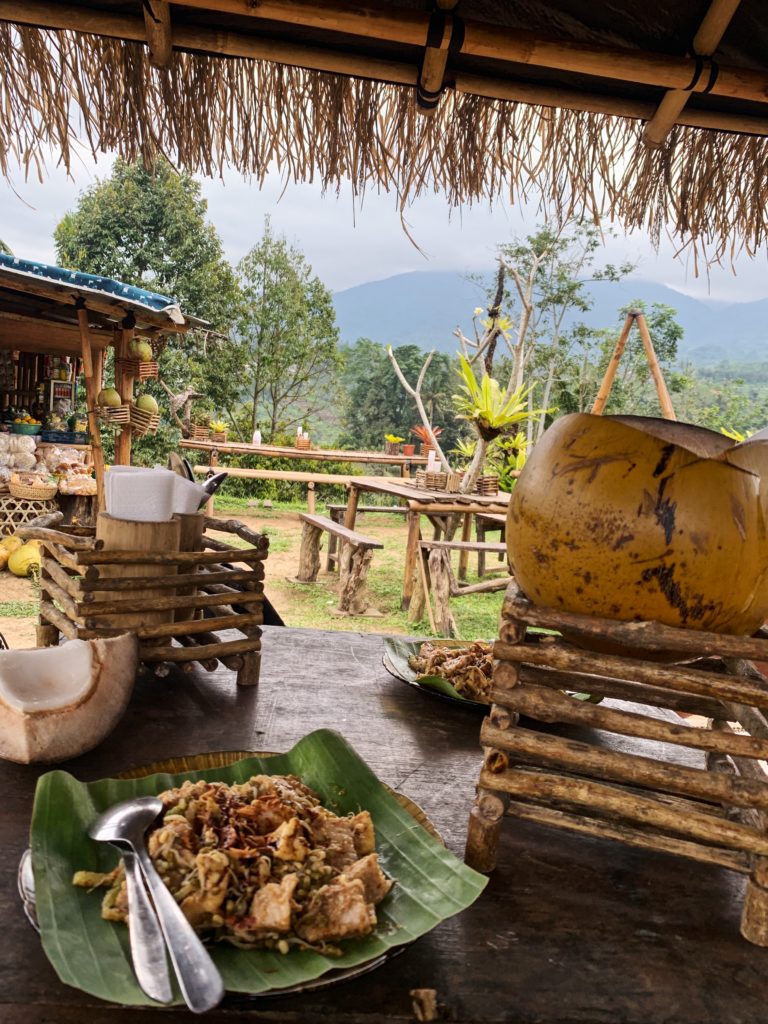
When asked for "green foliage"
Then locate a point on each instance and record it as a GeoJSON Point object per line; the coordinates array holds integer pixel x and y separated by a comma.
{"type": "Point", "coordinates": [375, 401]}
{"type": "Point", "coordinates": [486, 406]}
{"type": "Point", "coordinates": [5, 248]}
{"type": "Point", "coordinates": [148, 228]}
{"type": "Point", "coordinates": [287, 335]}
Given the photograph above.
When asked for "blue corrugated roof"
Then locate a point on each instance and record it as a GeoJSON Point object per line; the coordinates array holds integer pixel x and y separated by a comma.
{"type": "Point", "coordinates": [97, 285]}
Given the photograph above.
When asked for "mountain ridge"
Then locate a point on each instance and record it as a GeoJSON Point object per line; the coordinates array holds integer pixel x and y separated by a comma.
{"type": "Point", "coordinates": [424, 308]}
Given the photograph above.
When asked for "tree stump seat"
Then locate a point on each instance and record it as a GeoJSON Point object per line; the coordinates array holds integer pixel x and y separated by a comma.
{"type": "Point", "coordinates": [354, 559]}
{"type": "Point", "coordinates": [337, 513]}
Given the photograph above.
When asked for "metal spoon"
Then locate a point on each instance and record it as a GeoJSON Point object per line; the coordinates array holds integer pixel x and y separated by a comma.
{"type": "Point", "coordinates": [125, 824]}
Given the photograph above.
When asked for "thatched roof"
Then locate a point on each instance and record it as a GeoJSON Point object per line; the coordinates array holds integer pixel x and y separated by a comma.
{"type": "Point", "coordinates": [595, 106]}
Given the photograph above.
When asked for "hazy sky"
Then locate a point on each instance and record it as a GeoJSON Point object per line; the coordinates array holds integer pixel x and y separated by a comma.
{"type": "Point", "coordinates": [348, 243]}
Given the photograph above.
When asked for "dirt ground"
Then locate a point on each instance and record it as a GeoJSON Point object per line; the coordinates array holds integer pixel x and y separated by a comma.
{"type": "Point", "coordinates": [309, 605]}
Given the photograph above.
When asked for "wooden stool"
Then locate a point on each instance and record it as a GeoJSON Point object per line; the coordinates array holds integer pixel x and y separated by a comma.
{"type": "Point", "coordinates": [716, 814]}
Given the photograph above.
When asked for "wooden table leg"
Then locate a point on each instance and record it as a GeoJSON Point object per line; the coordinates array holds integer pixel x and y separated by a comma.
{"type": "Point", "coordinates": [466, 535]}
{"type": "Point", "coordinates": [353, 497]}
{"type": "Point", "coordinates": [311, 497]}
{"type": "Point", "coordinates": [411, 554]}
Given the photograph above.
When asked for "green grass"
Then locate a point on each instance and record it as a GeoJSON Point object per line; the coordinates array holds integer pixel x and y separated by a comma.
{"type": "Point", "coordinates": [18, 609]}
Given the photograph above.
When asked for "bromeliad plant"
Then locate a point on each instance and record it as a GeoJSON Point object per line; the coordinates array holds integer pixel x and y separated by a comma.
{"type": "Point", "coordinates": [489, 409]}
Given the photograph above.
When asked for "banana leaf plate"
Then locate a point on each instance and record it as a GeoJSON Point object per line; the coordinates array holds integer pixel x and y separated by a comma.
{"type": "Point", "coordinates": [395, 660]}
{"type": "Point", "coordinates": [93, 955]}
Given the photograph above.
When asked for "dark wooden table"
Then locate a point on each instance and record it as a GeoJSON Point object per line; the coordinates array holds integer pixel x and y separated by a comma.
{"type": "Point", "coordinates": [570, 929]}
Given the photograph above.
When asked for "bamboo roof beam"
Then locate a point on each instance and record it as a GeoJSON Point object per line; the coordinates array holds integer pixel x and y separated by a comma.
{"type": "Point", "coordinates": [232, 44]}
{"type": "Point", "coordinates": [446, 35]}
{"type": "Point", "coordinates": [157, 22]}
{"type": "Point", "coordinates": [496, 42]}
{"type": "Point", "coordinates": [705, 42]}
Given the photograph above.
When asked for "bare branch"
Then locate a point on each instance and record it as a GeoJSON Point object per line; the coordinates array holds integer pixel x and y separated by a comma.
{"type": "Point", "coordinates": [415, 394]}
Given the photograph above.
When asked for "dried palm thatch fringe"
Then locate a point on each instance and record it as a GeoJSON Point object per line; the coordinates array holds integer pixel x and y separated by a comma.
{"type": "Point", "coordinates": [708, 189]}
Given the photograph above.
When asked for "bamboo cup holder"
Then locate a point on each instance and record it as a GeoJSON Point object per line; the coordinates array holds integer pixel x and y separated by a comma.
{"type": "Point", "coordinates": [716, 813]}
{"type": "Point", "coordinates": [89, 590]}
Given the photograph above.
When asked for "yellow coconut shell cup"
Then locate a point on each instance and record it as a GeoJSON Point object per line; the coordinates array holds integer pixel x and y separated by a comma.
{"type": "Point", "coordinates": [639, 519]}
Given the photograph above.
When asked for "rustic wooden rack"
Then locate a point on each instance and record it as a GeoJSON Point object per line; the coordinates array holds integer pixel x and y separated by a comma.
{"type": "Point", "coordinates": [83, 595]}
{"type": "Point", "coordinates": [717, 813]}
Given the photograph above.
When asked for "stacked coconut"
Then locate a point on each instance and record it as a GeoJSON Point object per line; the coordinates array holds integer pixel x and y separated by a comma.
{"type": "Point", "coordinates": [633, 518]}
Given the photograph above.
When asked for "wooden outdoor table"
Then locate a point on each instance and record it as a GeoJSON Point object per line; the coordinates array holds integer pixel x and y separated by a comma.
{"type": "Point", "coordinates": [274, 451]}
{"type": "Point", "coordinates": [422, 502]}
{"type": "Point", "coordinates": [569, 929]}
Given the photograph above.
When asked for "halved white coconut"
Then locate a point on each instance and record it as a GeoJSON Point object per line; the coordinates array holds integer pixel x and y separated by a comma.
{"type": "Point", "coordinates": [58, 702]}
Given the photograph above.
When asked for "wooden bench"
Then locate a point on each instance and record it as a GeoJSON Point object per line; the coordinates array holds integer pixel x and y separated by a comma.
{"type": "Point", "coordinates": [337, 513]}
{"type": "Point", "coordinates": [310, 479]}
{"type": "Point", "coordinates": [438, 579]}
{"type": "Point", "coordinates": [354, 560]}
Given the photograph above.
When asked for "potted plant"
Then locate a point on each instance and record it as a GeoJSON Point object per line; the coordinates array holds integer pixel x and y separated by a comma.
{"type": "Point", "coordinates": [392, 444]}
{"type": "Point", "coordinates": [422, 433]}
{"type": "Point", "coordinates": [219, 431]}
{"type": "Point", "coordinates": [409, 449]}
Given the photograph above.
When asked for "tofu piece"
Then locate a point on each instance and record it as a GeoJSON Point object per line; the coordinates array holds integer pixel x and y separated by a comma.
{"type": "Point", "coordinates": [213, 873]}
{"type": "Point", "coordinates": [337, 911]}
{"type": "Point", "coordinates": [363, 833]}
{"type": "Point", "coordinates": [288, 842]}
{"type": "Point", "coordinates": [376, 885]}
{"type": "Point", "coordinates": [271, 906]}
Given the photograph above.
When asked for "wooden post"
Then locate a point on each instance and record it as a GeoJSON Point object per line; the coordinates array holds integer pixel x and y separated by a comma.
{"type": "Point", "coordinates": [309, 554]}
{"type": "Point", "coordinates": [466, 535]}
{"type": "Point", "coordinates": [661, 387]}
{"type": "Point", "coordinates": [440, 574]}
{"type": "Point", "coordinates": [91, 396]}
{"type": "Point", "coordinates": [354, 563]}
{"type": "Point", "coordinates": [613, 365]}
{"type": "Point", "coordinates": [311, 497]}
{"type": "Point", "coordinates": [411, 554]}
{"type": "Point", "coordinates": [124, 383]}
{"type": "Point", "coordinates": [353, 496]}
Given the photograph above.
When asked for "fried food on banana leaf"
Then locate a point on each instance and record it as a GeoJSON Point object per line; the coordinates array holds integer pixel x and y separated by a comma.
{"type": "Point", "coordinates": [468, 669]}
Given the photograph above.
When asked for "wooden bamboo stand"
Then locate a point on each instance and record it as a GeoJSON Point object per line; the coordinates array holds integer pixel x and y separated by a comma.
{"type": "Point", "coordinates": [88, 590]}
{"type": "Point", "coordinates": [717, 814]}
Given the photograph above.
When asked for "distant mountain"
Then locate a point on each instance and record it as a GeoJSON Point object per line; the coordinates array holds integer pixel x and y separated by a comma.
{"type": "Point", "coordinates": [424, 308]}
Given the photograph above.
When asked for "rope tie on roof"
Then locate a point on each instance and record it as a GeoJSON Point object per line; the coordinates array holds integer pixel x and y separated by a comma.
{"type": "Point", "coordinates": [703, 66]}
{"type": "Point", "coordinates": [445, 38]}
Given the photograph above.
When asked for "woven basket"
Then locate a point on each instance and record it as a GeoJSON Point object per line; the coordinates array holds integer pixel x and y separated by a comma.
{"type": "Point", "coordinates": [139, 370]}
{"type": "Point", "coordinates": [425, 448]}
{"type": "Point", "coordinates": [220, 437]}
{"type": "Point", "coordinates": [34, 492]}
{"type": "Point", "coordinates": [487, 485]}
{"type": "Point", "coordinates": [453, 483]}
{"type": "Point", "coordinates": [420, 479]}
{"type": "Point", "coordinates": [436, 481]}
{"type": "Point", "coordinates": [115, 415]}
{"type": "Point", "coordinates": [143, 422]}
{"type": "Point", "coordinates": [302, 443]}
{"type": "Point", "coordinates": [199, 433]}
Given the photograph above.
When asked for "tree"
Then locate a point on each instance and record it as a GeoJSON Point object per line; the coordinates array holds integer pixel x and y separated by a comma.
{"type": "Point", "coordinates": [5, 248]}
{"type": "Point", "coordinates": [149, 228]}
{"type": "Point", "coordinates": [287, 334]}
{"type": "Point", "coordinates": [376, 404]}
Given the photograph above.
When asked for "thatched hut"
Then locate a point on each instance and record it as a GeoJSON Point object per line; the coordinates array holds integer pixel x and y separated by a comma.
{"type": "Point", "coordinates": [653, 114]}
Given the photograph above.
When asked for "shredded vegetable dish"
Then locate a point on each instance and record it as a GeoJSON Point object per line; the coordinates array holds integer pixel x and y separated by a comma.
{"type": "Point", "coordinates": [260, 864]}
{"type": "Point", "coordinates": [467, 669]}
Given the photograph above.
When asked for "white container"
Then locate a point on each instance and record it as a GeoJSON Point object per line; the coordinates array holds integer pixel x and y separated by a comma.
{"type": "Point", "coordinates": [140, 495]}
